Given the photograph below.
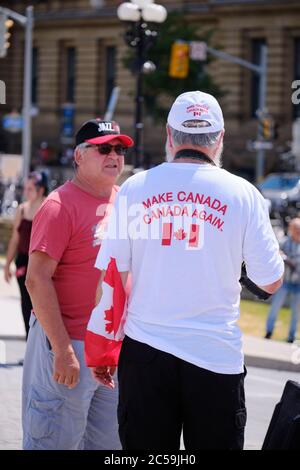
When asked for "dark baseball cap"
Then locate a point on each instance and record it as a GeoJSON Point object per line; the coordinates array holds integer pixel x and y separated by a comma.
{"type": "Point", "coordinates": [97, 131]}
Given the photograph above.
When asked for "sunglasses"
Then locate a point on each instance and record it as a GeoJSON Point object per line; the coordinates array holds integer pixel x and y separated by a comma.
{"type": "Point", "coordinates": [105, 149]}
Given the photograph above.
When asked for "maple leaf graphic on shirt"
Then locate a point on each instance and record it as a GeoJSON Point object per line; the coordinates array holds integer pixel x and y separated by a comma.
{"type": "Point", "coordinates": [180, 234]}
{"type": "Point", "coordinates": [109, 320]}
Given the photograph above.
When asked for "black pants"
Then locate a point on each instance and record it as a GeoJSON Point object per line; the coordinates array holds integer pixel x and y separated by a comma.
{"type": "Point", "coordinates": [26, 305]}
{"type": "Point", "coordinates": [161, 396]}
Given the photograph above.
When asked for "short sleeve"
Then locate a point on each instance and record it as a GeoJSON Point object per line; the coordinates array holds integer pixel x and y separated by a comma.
{"type": "Point", "coordinates": [260, 248]}
{"type": "Point", "coordinates": [116, 243]}
{"type": "Point", "coordinates": [51, 230]}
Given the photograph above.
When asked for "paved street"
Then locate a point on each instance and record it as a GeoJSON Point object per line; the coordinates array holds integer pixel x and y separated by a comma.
{"type": "Point", "coordinates": [263, 390]}
{"type": "Point", "coordinates": [11, 322]}
{"type": "Point", "coordinates": [12, 347]}
{"type": "Point", "coordinates": [10, 396]}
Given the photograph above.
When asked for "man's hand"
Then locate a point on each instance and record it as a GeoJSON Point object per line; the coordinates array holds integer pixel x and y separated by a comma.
{"type": "Point", "coordinates": [66, 368]}
{"type": "Point", "coordinates": [104, 374]}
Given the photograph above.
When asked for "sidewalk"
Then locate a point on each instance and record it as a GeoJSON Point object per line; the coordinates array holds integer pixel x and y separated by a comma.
{"type": "Point", "coordinates": [11, 320]}
{"type": "Point", "coordinates": [259, 352]}
{"type": "Point", "coordinates": [269, 354]}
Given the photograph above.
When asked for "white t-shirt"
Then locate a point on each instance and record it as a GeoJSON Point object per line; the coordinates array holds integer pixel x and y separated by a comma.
{"type": "Point", "coordinates": [183, 230]}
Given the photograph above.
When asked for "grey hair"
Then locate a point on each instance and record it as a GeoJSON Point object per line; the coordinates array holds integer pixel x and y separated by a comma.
{"type": "Point", "coordinates": [200, 140]}
{"type": "Point", "coordinates": [81, 147]}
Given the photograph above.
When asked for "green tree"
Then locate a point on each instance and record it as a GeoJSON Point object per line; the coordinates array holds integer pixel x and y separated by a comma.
{"type": "Point", "coordinates": [159, 84]}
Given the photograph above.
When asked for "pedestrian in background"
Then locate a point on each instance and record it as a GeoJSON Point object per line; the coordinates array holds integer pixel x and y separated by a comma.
{"type": "Point", "coordinates": [63, 406]}
{"type": "Point", "coordinates": [192, 224]}
{"type": "Point", "coordinates": [35, 191]}
{"type": "Point", "coordinates": [290, 248]}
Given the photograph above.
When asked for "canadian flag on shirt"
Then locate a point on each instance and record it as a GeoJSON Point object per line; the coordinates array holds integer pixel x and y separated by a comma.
{"type": "Point", "coordinates": [105, 332]}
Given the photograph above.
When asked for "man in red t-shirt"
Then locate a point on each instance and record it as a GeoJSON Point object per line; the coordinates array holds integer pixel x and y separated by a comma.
{"type": "Point", "coordinates": [63, 406]}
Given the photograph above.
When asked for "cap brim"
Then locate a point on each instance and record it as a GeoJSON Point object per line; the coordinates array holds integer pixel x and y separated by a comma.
{"type": "Point", "coordinates": [125, 139]}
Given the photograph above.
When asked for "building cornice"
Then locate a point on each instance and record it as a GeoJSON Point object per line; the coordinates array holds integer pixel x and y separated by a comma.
{"type": "Point", "coordinates": [211, 7]}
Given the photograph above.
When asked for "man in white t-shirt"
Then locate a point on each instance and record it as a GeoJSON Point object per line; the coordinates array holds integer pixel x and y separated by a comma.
{"type": "Point", "coordinates": [183, 229]}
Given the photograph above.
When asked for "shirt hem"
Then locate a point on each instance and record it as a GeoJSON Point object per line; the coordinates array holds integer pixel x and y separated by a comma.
{"type": "Point", "coordinates": [218, 369]}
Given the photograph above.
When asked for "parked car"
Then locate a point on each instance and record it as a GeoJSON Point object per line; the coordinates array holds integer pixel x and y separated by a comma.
{"type": "Point", "coordinates": [281, 189]}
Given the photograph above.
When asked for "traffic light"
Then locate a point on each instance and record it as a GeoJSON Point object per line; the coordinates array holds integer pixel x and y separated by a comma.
{"type": "Point", "coordinates": [179, 61]}
{"type": "Point", "coordinates": [266, 128]}
{"type": "Point", "coordinates": [5, 25]}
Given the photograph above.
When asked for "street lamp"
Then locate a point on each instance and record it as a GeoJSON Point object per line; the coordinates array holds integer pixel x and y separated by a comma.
{"type": "Point", "coordinates": [138, 13]}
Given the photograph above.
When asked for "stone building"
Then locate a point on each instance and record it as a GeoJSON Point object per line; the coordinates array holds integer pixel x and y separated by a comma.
{"type": "Point", "coordinates": [78, 50]}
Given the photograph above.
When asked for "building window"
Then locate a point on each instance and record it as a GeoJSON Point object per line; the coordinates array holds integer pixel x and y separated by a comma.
{"type": "Point", "coordinates": [256, 58]}
{"type": "Point", "coordinates": [110, 71]}
{"type": "Point", "coordinates": [296, 107]}
{"type": "Point", "coordinates": [70, 74]}
{"type": "Point", "coordinates": [34, 75]}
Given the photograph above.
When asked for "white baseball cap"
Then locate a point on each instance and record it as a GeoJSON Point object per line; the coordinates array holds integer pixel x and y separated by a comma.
{"type": "Point", "coordinates": [195, 112]}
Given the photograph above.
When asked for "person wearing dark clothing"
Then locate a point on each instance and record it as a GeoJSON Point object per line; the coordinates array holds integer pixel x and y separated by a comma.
{"type": "Point", "coordinates": [35, 191]}
{"type": "Point", "coordinates": [21, 263]}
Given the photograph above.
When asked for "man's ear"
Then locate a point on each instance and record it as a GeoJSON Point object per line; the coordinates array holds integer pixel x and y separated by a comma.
{"type": "Point", "coordinates": [221, 136]}
{"type": "Point", "coordinates": [78, 156]}
{"type": "Point", "coordinates": [220, 139]}
{"type": "Point", "coordinates": [169, 137]}
{"type": "Point", "coordinates": [216, 146]}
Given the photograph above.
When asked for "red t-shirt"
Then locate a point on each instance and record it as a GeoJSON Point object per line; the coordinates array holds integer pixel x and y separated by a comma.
{"type": "Point", "coordinates": [68, 228]}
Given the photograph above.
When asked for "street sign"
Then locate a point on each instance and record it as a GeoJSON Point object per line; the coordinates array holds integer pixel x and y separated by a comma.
{"type": "Point", "coordinates": [12, 122]}
{"type": "Point", "coordinates": [2, 92]}
{"type": "Point", "coordinates": [10, 166]}
{"type": "Point", "coordinates": [261, 145]}
{"type": "Point", "coordinates": [198, 50]}
{"type": "Point", "coordinates": [67, 123]}
{"type": "Point", "coordinates": [296, 138]}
